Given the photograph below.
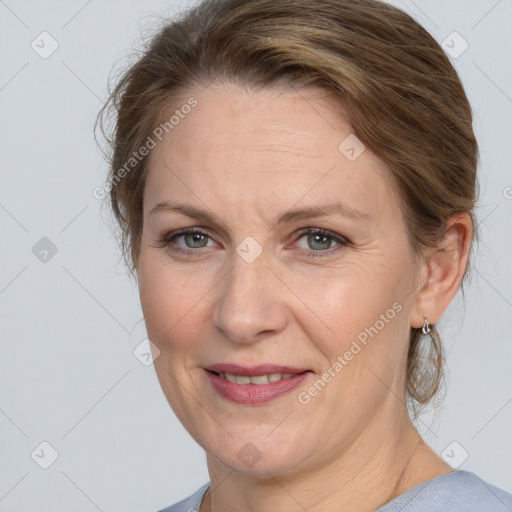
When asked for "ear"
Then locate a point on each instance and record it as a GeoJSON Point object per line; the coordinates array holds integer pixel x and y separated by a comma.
{"type": "Point", "coordinates": [442, 271]}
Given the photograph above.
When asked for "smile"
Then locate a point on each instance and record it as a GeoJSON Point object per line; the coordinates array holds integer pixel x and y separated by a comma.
{"type": "Point", "coordinates": [256, 379]}
{"type": "Point", "coordinates": [258, 387]}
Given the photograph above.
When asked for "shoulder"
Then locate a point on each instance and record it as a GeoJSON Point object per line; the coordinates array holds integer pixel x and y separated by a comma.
{"type": "Point", "coordinates": [190, 504]}
{"type": "Point", "coordinates": [458, 491]}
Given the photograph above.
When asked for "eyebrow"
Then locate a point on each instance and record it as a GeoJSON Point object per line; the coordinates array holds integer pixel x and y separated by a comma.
{"type": "Point", "coordinates": [289, 216]}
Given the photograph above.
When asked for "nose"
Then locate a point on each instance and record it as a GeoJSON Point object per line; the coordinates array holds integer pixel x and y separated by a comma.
{"type": "Point", "coordinates": [250, 304]}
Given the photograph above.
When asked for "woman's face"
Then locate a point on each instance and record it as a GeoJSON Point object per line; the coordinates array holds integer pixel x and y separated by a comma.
{"type": "Point", "coordinates": [279, 273]}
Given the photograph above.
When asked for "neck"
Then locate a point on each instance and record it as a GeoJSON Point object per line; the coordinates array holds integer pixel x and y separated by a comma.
{"type": "Point", "coordinates": [380, 465]}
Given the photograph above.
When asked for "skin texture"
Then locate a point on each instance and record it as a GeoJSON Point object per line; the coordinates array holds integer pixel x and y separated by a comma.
{"type": "Point", "coordinates": [247, 157]}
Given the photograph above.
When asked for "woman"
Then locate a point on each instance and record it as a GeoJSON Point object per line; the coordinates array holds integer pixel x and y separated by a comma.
{"type": "Point", "coordinates": [295, 183]}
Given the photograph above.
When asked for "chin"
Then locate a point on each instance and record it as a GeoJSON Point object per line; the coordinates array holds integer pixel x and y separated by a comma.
{"type": "Point", "coordinates": [257, 465]}
{"type": "Point", "coordinates": [256, 455]}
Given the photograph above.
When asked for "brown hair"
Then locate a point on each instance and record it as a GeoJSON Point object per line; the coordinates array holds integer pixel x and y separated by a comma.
{"type": "Point", "coordinates": [402, 94]}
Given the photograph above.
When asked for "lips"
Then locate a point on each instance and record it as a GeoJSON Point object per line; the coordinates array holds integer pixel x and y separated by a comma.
{"type": "Point", "coordinates": [252, 385]}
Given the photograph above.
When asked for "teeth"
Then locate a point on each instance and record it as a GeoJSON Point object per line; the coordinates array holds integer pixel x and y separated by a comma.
{"type": "Point", "coordinates": [256, 379]}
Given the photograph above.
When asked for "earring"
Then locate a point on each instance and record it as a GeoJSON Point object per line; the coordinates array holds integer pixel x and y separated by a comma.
{"type": "Point", "coordinates": [426, 327]}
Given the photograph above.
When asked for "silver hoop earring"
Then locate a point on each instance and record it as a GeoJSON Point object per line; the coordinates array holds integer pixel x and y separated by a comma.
{"type": "Point", "coordinates": [426, 327]}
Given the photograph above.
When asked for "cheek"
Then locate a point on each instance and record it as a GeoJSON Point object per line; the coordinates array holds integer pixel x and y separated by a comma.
{"type": "Point", "coordinates": [173, 302]}
{"type": "Point", "coordinates": [161, 302]}
{"type": "Point", "coordinates": [360, 315]}
{"type": "Point", "coordinates": [365, 348]}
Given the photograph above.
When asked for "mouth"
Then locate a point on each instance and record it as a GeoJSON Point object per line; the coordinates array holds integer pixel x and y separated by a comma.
{"type": "Point", "coordinates": [254, 385]}
{"type": "Point", "coordinates": [259, 380]}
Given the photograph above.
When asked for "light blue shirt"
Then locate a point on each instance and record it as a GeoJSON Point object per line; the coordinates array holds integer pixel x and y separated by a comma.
{"type": "Point", "coordinates": [458, 491]}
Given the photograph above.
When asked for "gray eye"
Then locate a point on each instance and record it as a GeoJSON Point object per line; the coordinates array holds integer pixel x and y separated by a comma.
{"type": "Point", "coordinates": [194, 240]}
{"type": "Point", "coordinates": [317, 241]}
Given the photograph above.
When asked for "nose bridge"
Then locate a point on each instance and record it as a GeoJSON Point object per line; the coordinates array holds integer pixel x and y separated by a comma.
{"type": "Point", "coordinates": [248, 302]}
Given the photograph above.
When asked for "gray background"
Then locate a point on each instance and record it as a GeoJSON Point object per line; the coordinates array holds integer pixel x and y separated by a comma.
{"type": "Point", "coordinates": [69, 324]}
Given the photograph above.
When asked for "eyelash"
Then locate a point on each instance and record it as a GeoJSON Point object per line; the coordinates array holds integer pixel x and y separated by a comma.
{"type": "Point", "coordinates": [166, 240]}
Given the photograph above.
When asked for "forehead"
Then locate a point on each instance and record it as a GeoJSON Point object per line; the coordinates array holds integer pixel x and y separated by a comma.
{"type": "Point", "coordinates": [272, 145]}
